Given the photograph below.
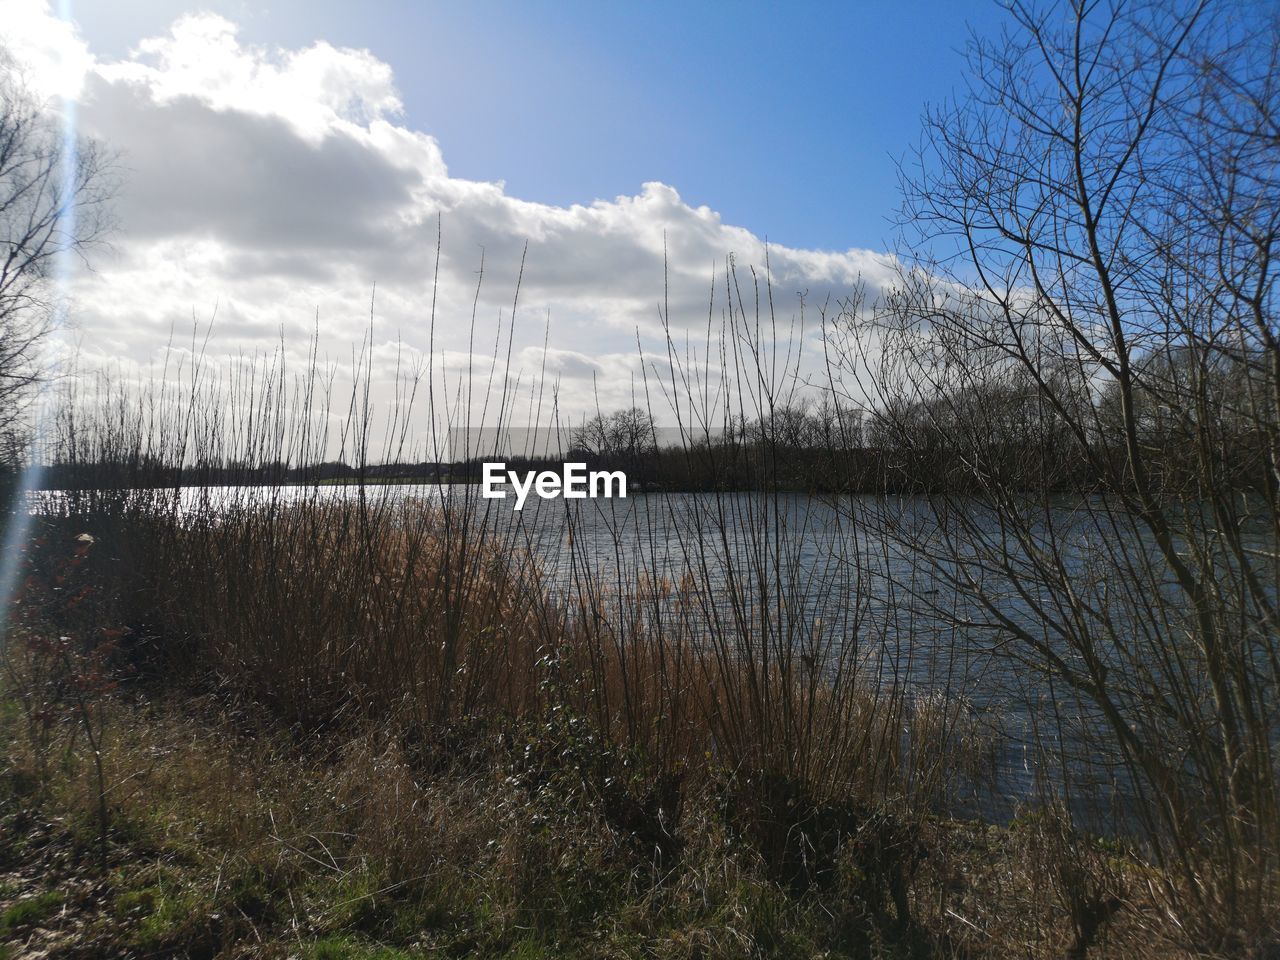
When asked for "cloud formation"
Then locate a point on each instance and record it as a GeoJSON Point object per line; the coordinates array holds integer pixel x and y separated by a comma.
{"type": "Point", "coordinates": [282, 186]}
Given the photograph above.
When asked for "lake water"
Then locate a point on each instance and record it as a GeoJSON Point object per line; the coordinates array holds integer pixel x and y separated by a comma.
{"type": "Point", "coordinates": [862, 575]}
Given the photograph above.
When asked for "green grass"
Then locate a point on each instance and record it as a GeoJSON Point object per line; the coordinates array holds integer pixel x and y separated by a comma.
{"type": "Point", "coordinates": [31, 911]}
{"type": "Point", "coordinates": [337, 948]}
{"type": "Point", "coordinates": [223, 841]}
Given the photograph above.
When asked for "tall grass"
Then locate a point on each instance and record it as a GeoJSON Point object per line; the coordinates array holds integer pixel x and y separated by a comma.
{"type": "Point", "coordinates": [817, 664]}
{"type": "Point", "coordinates": [690, 639]}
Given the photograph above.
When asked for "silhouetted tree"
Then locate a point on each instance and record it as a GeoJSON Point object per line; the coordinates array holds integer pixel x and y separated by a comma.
{"type": "Point", "coordinates": [53, 201]}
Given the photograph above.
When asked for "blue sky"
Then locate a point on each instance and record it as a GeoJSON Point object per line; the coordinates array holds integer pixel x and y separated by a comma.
{"type": "Point", "coordinates": [280, 160]}
{"type": "Point", "coordinates": [785, 118]}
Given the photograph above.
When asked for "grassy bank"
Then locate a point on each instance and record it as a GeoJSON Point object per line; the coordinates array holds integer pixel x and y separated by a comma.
{"type": "Point", "coordinates": [232, 836]}
{"type": "Point", "coordinates": [326, 729]}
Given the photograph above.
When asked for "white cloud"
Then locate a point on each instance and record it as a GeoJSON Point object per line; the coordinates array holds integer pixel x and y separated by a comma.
{"type": "Point", "coordinates": [51, 55]}
{"type": "Point", "coordinates": [280, 184]}
{"type": "Point", "coordinates": [315, 90]}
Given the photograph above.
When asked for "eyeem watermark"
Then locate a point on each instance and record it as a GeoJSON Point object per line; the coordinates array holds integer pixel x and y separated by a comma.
{"type": "Point", "coordinates": [575, 483]}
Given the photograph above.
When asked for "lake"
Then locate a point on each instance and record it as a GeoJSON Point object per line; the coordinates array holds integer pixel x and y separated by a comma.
{"type": "Point", "coordinates": [866, 580]}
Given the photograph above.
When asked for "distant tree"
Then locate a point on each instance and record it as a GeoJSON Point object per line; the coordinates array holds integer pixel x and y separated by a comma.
{"type": "Point", "coordinates": [632, 432]}
{"type": "Point", "coordinates": [592, 436]}
{"type": "Point", "coordinates": [788, 426]}
{"type": "Point", "coordinates": [625, 434]}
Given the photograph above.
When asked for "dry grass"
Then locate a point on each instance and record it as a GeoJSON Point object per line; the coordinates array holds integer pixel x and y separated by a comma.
{"type": "Point", "coordinates": [345, 729]}
{"type": "Point", "coordinates": [232, 838]}
{"type": "Point", "coordinates": [412, 734]}
{"type": "Point", "coordinates": [400, 613]}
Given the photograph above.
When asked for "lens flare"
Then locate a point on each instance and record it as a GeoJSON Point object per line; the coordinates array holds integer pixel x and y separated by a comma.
{"type": "Point", "coordinates": [18, 528]}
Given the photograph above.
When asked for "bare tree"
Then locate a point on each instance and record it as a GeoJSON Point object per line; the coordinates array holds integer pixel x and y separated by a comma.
{"type": "Point", "coordinates": [628, 433]}
{"type": "Point", "coordinates": [1103, 209]}
{"type": "Point", "coordinates": [54, 191]}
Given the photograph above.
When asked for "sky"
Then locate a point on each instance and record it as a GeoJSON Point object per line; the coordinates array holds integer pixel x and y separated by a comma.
{"type": "Point", "coordinates": [785, 118]}
{"type": "Point", "coordinates": [280, 161]}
